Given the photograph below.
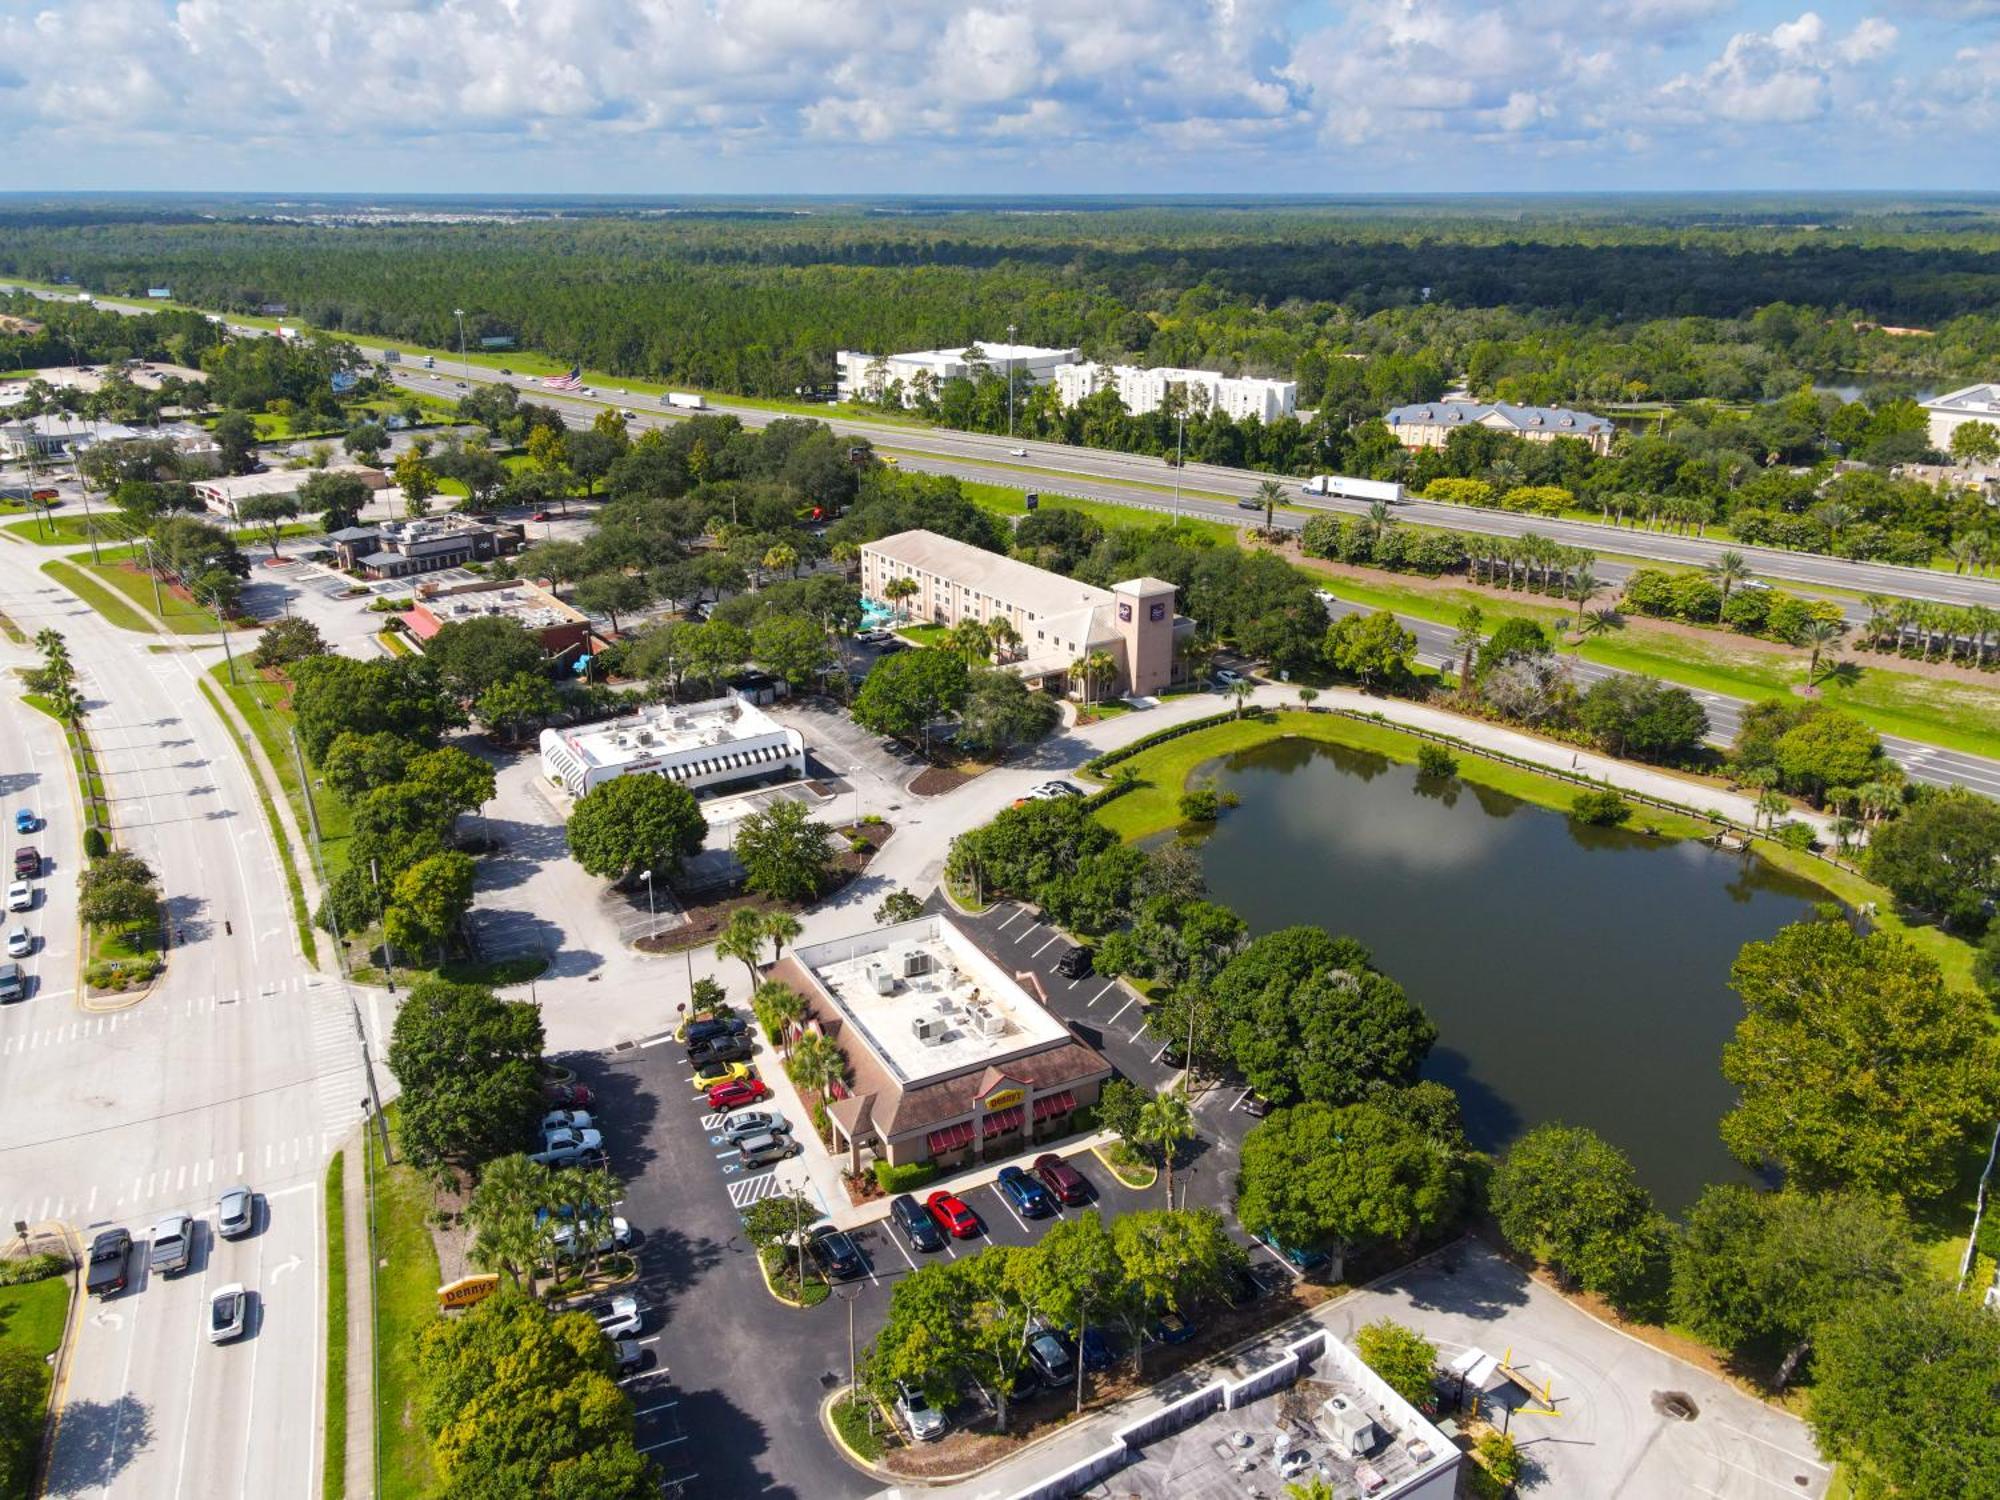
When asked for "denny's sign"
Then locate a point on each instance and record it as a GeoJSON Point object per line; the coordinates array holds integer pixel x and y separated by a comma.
{"type": "Point", "coordinates": [466, 1291]}
{"type": "Point", "coordinates": [1004, 1099]}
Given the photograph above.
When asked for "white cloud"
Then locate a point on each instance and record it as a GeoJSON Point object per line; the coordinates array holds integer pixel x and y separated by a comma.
{"type": "Point", "coordinates": [1789, 75]}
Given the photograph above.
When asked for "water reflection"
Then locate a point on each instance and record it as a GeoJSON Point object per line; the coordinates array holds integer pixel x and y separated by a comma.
{"type": "Point", "coordinates": [1574, 973]}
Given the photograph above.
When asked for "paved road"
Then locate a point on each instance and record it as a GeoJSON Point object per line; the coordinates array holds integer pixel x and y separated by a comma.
{"type": "Point", "coordinates": [241, 1066]}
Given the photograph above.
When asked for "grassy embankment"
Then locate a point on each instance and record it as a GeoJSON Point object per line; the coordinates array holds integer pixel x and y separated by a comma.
{"type": "Point", "coordinates": [405, 1301]}
{"type": "Point", "coordinates": [32, 1317]}
{"type": "Point", "coordinates": [247, 694]}
{"type": "Point", "coordinates": [333, 1463]}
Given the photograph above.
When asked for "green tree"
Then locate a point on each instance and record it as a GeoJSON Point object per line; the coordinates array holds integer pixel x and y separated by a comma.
{"type": "Point", "coordinates": [1905, 1394]}
{"type": "Point", "coordinates": [1337, 1178]}
{"type": "Point", "coordinates": [520, 704]}
{"type": "Point", "coordinates": [743, 940]}
{"type": "Point", "coordinates": [1827, 748]}
{"type": "Point", "coordinates": [1401, 1356]}
{"type": "Point", "coordinates": [924, 1339]}
{"type": "Point", "coordinates": [1566, 1196]}
{"type": "Point", "coordinates": [365, 441]}
{"type": "Point", "coordinates": [417, 480]}
{"type": "Point", "coordinates": [337, 499]}
{"type": "Point", "coordinates": [613, 593]}
{"type": "Point", "coordinates": [905, 694]}
{"type": "Point", "coordinates": [430, 899]}
{"type": "Point", "coordinates": [502, 1212]}
{"type": "Point", "coordinates": [269, 513]}
{"type": "Point", "coordinates": [792, 646]}
{"type": "Point", "coordinates": [1001, 713]}
{"type": "Point", "coordinates": [24, 1397]}
{"type": "Point", "coordinates": [1855, 1063]}
{"type": "Point", "coordinates": [1165, 1120]}
{"type": "Point", "coordinates": [898, 906]}
{"type": "Point", "coordinates": [1758, 1273]}
{"type": "Point", "coordinates": [477, 654]}
{"type": "Point", "coordinates": [334, 695]}
{"type": "Point", "coordinates": [633, 823]}
{"type": "Point", "coordinates": [1372, 647]}
{"type": "Point", "coordinates": [1942, 856]}
{"type": "Point", "coordinates": [1075, 1279]}
{"type": "Point", "coordinates": [287, 640]}
{"type": "Point", "coordinates": [236, 435]}
{"type": "Point", "coordinates": [1171, 1259]}
{"type": "Point", "coordinates": [457, 782]}
{"type": "Point", "coordinates": [1514, 636]}
{"type": "Point", "coordinates": [355, 764]}
{"type": "Point", "coordinates": [118, 889]}
{"type": "Point", "coordinates": [785, 854]}
{"type": "Point", "coordinates": [467, 1063]}
{"type": "Point", "coordinates": [778, 1008]}
{"type": "Point", "coordinates": [1642, 717]}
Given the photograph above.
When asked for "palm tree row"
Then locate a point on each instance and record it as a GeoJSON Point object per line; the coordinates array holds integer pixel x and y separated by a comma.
{"type": "Point", "coordinates": [1926, 628]}
{"type": "Point", "coordinates": [1549, 565]}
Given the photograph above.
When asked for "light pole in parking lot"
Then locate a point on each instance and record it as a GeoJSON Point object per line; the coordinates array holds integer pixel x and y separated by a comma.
{"type": "Point", "coordinates": [464, 365]}
{"type": "Point", "coordinates": [849, 1294]}
{"type": "Point", "coordinates": [652, 912]}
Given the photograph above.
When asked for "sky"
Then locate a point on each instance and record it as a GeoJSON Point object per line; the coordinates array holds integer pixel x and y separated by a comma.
{"type": "Point", "coordinates": [997, 96]}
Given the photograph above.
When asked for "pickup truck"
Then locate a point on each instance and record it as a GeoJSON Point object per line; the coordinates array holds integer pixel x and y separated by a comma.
{"type": "Point", "coordinates": [27, 862]}
{"type": "Point", "coordinates": [108, 1254]}
{"type": "Point", "coordinates": [173, 1245]}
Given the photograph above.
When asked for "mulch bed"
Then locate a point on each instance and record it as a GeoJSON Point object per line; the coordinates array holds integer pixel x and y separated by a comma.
{"type": "Point", "coordinates": [708, 912]}
{"type": "Point", "coordinates": [935, 781]}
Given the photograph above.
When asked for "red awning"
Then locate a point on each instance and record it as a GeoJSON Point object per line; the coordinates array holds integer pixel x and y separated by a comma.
{"type": "Point", "coordinates": [950, 1138]}
{"type": "Point", "coordinates": [1054, 1104]}
{"type": "Point", "coordinates": [1002, 1120]}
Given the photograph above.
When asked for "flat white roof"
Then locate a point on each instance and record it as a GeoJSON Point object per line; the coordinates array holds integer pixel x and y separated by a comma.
{"type": "Point", "coordinates": [1021, 585]}
{"type": "Point", "coordinates": [670, 729]}
{"type": "Point", "coordinates": [1980, 399]}
{"type": "Point", "coordinates": [926, 1001]}
{"type": "Point", "coordinates": [524, 602]}
{"type": "Point", "coordinates": [993, 352]}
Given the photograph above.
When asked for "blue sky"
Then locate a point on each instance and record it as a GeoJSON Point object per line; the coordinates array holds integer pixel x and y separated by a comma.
{"type": "Point", "coordinates": [1001, 96]}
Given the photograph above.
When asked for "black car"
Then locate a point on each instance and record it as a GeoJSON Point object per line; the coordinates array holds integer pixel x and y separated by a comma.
{"type": "Point", "coordinates": [720, 1049]}
{"type": "Point", "coordinates": [108, 1255]}
{"type": "Point", "coordinates": [710, 1027]}
{"type": "Point", "coordinates": [1053, 1356]}
{"type": "Point", "coordinates": [916, 1223]}
{"type": "Point", "coordinates": [836, 1255]}
{"type": "Point", "coordinates": [1241, 1287]}
{"type": "Point", "coordinates": [1074, 964]}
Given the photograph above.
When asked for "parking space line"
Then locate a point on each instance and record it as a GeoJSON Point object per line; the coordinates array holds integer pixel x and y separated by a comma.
{"type": "Point", "coordinates": [663, 1406]}
{"type": "Point", "coordinates": [1291, 1270]}
{"type": "Point", "coordinates": [1778, 1447]}
{"type": "Point", "coordinates": [1007, 1204]}
{"type": "Point", "coordinates": [1054, 938]}
{"type": "Point", "coordinates": [1239, 1101]}
{"type": "Point", "coordinates": [663, 1443]}
{"type": "Point", "coordinates": [897, 1241]}
{"type": "Point", "coordinates": [1019, 912]}
{"type": "Point", "coordinates": [1121, 1009]}
{"type": "Point", "coordinates": [1163, 1046]}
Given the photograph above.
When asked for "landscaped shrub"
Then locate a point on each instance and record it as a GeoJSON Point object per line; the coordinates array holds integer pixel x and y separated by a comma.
{"type": "Point", "coordinates": [94, 843]}
{"type": "Point", "coordinates": [32, 1268]}
{"type": "Point", "coordinates": [1111, 758]}
{"type": "Point", "coordinates": [1605, 809]}
{"type": "Point", "coordinates": [1794, 834]}
{"type": "Point", "coordinates": [121, 973]}
{"type": "Point", "coordinates": [1201, 804]}
{"type": "Point", "coordinates": [906, 1178]}
{"type": "Point", "coordinates": [1435, 760]}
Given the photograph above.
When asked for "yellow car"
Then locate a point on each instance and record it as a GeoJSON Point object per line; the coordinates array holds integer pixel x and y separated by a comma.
{"type": "Point", "coordinates": [723, 1073]}
{"type": "Point", "coordinates": [891, 460]}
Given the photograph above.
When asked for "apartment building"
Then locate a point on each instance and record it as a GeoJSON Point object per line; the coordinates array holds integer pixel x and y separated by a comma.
{"type": "Point", "coordinates": [1430, 424]}
{"type": "Point", "coordinates": [1147, 390]}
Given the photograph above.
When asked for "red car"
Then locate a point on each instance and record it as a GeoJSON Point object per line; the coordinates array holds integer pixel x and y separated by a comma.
{"type": "Point", "coordinates": [739, 1092]}
{"type": "Point", "coordinates": [541, 515]}
{"type": "Point", "coordinates": [569, 1095]}
{"type": "Point", "coordinates": [952, 1215]}
{"type": "Point", "coordinates": [1060, 1178]}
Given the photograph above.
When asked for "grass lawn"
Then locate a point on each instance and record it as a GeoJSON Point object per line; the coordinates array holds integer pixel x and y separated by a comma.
{"type": "Point", "coordinates": [181, 615]}
{"type": "Point", "coordinates": [294, 887]}
{"type": "Point", "coordinates": [104, 600]}
{"type": "Point", "coordinates": [405, 1292]}
{"type": "Point", "coordinates": [1005, 501]}
{"type": "Point", "coordinates": [260, 702]}
{"type": "Point", "coordinates": [333, 1479]}
{"type": "Point", "coordinates": [924, 635]}
{"type": "Point", "coordinates": [32, 1318]}
{"type": "Point", "coordinates": [73, 529]}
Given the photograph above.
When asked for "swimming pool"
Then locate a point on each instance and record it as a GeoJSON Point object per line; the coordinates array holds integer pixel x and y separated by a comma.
{"type": "Point", "coordinates": [875, 615]}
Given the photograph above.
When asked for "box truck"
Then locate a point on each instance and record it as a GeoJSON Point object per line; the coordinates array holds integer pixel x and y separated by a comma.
{"type": "Point", "coordinates": [686, 400]}
{"type": "Point", "coordinates": [1340, 487]}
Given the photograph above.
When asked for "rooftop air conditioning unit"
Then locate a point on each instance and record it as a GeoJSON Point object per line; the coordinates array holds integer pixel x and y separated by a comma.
{"type": "Point", "coordinates": [882, 979]}
{"type": "Point", "coordinates": [1351, 1430]}
{"type": "Point", "coordinates": [915, 962]}
{"type": "Point", "coordinates": [991, 1023]}
{"type": "Point", "coordinates": [928, 1029]}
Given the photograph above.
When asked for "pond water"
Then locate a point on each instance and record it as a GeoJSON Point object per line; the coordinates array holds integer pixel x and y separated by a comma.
{"type": "Point", "coordinates": [1574, 973]}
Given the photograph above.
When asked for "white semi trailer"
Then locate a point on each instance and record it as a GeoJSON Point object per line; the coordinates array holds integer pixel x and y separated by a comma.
{"type": "Point", "coordinates": [1340, 487]}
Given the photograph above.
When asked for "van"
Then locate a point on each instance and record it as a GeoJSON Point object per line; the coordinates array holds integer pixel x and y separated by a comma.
{"type": "Point", "coordinates": [763, 1150]}
{"type": "Point", "coordinates": [12, 985]}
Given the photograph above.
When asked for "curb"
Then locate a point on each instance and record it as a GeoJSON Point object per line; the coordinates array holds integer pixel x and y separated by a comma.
{"type": "Point", "coordinates": [855, 1460]}
{"type": "Point", "coordinates": [772, 1287]}
{"type": "Point", "coordinates": [65, 1361]}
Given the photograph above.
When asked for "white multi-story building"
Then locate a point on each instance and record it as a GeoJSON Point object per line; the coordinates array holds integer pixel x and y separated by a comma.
{"type": "Point", "coordinates": [1949, 412]}
{"type": "Point", "coordinates": [1145, 390]}
{"type": "Point", "coordinates": [700, 745]}
{"type": "Point", "coordinates": [866, 377]}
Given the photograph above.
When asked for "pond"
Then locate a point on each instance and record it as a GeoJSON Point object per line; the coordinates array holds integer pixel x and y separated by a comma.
{"type": "Point", "coordinates": [1574, 973]}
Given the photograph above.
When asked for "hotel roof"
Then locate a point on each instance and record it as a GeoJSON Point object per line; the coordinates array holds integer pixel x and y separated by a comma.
{"type": "Point", "coordinates": [1020, 584]}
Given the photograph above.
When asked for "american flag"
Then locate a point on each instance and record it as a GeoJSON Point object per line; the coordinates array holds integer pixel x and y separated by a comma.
{"type": "Point", "coordinates": [570, 382]}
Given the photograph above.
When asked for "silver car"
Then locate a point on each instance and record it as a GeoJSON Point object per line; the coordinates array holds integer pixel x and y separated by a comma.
{"type": "Point", "coordinates": [926, 1422]}
{"type": "Point", "coordinates": [228, 1313]}
{"type": "Point", "coordinates": [620, 1317]}
{"type": "Point", "coordinates": [235, 1213]}
{"type": "Point", "coordinates": [20, 943]}
{"type": "Point", "coordinates": [748, 1122]}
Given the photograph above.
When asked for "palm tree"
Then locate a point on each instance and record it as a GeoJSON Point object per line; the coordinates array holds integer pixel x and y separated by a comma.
{"type": "Point", "coordinates": [781, 927]}
{"type": "Point", "coordinates": [1877, 798]}
{"type": "Point", "coordinates": [1164, 1122]}
{"type": "Point", "coordinates": [1465, 644]}
{"type": "Point", "coordinates": [1879, 609]}
{"type": "Point", "coordinates": [1770, 803]}
{"type": "Point", "coordinates": [778, 1009]}
{"type": "Point", "coordinates": [1239, 694]}
{"type": "Point", "coordinates": [1307, 695]}
{"type": "Point", "coordinates": [502, 1214]}
{"type": "Point", "coordinates": [588, 1194]}
{"type": "Point", "coordinates": [1844, 830]}
{"type": "Point", "coordinates": [1004, 637]}
{"type": "Point", "coordinates": [1379, 520]}
{"type": "Point", "coordinates": [896, 591]}
{"type": "Point", "coordinates": [844, 555]}
{"type": "Point", "coordinates": [1836, 518]}
{"type": "Point", "coordinates": [1092, 669]}
{"type": "Point", "coordinates": [780, 557]}
{"type": "Point", "coordinates": [1729, 570]}
{"type": "Point", "coordinates": [816, 1063]}
{"type": "Point", "coordinates": [1598, 622]}
{"type": "Point", "coordinates": [1586, 585]}
{"type": "Point", "coordinates": [971, 640]}
{"type": "Point", "coordinates": [743, 939]}
{"type": "Point", "coordinates": [1823, 636]}
{"type": "Point", "coordinates": [1269, 493]}
{"type": "Point", "coordinates": [1968, 551]}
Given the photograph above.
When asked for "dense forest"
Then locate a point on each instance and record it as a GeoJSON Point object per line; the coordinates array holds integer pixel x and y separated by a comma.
{"type": "Point", "coordinates": [1585, 300]}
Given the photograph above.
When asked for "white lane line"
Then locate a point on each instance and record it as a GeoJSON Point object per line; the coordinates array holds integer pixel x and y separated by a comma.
{"type": "Point", "coordinates": [1100, 994]}
{"type": "Point", "coordinates": [1121, 1010]}
{"type": "Point", "coordinates": [1054, 938]}
{"type": "Point", "coordinates": [1777, 1447]}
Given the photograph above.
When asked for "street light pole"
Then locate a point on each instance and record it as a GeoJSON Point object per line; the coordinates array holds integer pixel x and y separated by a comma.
{"type": "Point", "coordinates": [464, 365]}
{"type": "Point", "coordinates": [1010, 380]}
{"type": "Point", "coordinates": [1180, 458]}
{"type": "Point", "coordinates": [652, 912]}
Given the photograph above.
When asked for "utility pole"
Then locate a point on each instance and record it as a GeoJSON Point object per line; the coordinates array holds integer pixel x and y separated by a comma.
{"type": "Point", "coordinates": [464, 365]}
{"type": "Point", "coordinates": [153, 572]}
{"type": "Point", "coordinates": [215, 601]}
{"type": "Point", "coordinates": [1180, 458]}
{"type": "Point", "coordinates": [1010, 380]}
{"type": "Point", "coordinates": [312, 809]}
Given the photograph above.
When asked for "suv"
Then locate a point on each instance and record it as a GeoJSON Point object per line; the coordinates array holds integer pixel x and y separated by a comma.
{"type": "Point", "coordinates": [709, 1027]}
{"type": "Point", "coordinates": [173, 1245]}
{"type": "Point", "coordinates": [1030, 1199]}
{"type": "Point", "coordinates": [27, 861]}
{"type": "Point", "coordinates": [926, 1422]}
{"type": "Point", "coordinates": [12, 985]}
{"type": "Point", "coordinates": [619, 1317]}
{"type": "Point", "coordinates": [720, 1049]}
{"type": "Point", "coordinates": [108, 1255]}
{"type": "Point", "coordinates": [1060, 1178]}
{"type": "Point", "coordinates": [834, 1253]}
{"type": "Point", "coordinates": [1075, 963]}
{"type": "Point", "coordinates": [765, 1148]}
{"type": "Point", "coordinates": [916, 1224]}
{"type": "Point", "coordinates": [1052, 1355]}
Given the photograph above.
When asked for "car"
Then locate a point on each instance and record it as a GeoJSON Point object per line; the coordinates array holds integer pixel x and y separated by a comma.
{"type": "Point", "coordinates": [505, 371]}
{"type": "Point", "coordinates": [565, 1119]}
{"type": "Point", "coordinates": [1060, 1178]}
{"type": "Point", "coordinates": [1053, 1356]}
{"type": "Point", "coordinates": [891, 460]}
{"type": "Point", "coordinates": [1075, 963]}
{"type": "Point", "coordinates": [573, 1137]}
{"type": "Point", "coordinates": [1249, 502]}
{"type": "Point", "coordinates": [20, 942]}
{"type": "Point", "coordinates": [1256, 1106]}
{"type": "Point", "coordinates": [235, 1213]}
{"type": "Point", "coordinates": [13, 986]}
{"type": "Point", "coordinates": [25, 821]}
{"type": "Point", "coordinates": [1241, 1287]}
{"type": "Point", "coordinates": [737, 1093]}
{"type": "Point", "coordinates": [718, 1050]}
{"type": "Point", "coordinates": [833, 1250]}
{"type": "Point", "coordinates": [617, 1236]}
{"type": "Point", "coordinates": [567, 1093]}
{"type": "Point", "coordinates": [1292, 1255]}
{"type": "Point", "coordinates": [917, 1226]}
{"type": "Point", "coordinates": [710, 1027]}
{"type": "Point", "coordinates": [1060, 789]}
{"type": "Point", "coordinates": [228, 1312]}
{"type": "Point", "coordinates": [628, 414]}
{"type": "Point", "coordinates": [755, 1122]}
{"type": "Point", "coordinates": [1030, 1199]}
{"type": "Point", "coordinates": [719, 1073]}
{"type": "Point", "coordinates": [541, 515]}
{"type": "Point", "coordinates": [1170, 1327]}
{"type": "Point", "coordinates": [626, 1355]}
{"type": "Point", "coordinates": [925, 1422]}
{"type": "Point", "coordinates": [172, 1249]}
{"type": "Point", "coordinates": [1229, 677]}
{"type": "Point", "coordinates": [765, 1149]}
{"type": "Point", "coordinates": [1094, 1346]}
{"type": "Point", "coordinates": [109, 1253]}
{"type": "Point", "coordinates": [952, 1214]}
{"type": "Point", "coordinates": [1018, 452]}
{"type": "Point", "coordinates": [460, 384]}
{"type": "Point", "coordinates": [619, 1317]}
{"type": "Point", "coordinates": [27, 862]}
{"type": "Point", "coordinates": [20, 896]}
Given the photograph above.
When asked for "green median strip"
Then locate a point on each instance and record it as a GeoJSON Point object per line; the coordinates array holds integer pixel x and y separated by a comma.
{"type": "Point", "coordinates": [294, 887]}
{"type": "Point", "coordinates": [105, 601]}
{"type": "Point", "coordinates": [405, 1300]}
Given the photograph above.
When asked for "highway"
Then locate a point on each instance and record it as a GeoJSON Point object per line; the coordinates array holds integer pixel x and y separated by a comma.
{"type": "Point", "coordinates": [241, 1065]}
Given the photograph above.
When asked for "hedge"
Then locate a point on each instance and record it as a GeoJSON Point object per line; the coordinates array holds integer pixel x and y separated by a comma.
{"type": "Point", "coordinates": [32, 1268]}
{"type": "Point", "coordinates": [1096, 766]}
{"type": "Point", "coordinates": [906, 1178]}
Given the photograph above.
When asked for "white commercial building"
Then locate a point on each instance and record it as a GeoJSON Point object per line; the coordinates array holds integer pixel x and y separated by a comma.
{"type": "Point", "coordinates": [867, 377]}
{"type": "Point", "coordinates": [700, 745]}
{"type": "Point", "coordinates": [50, 436]}
{"type": "Point", "coordinates": [1949, 412]}
{"type": "Point", "coordinates": [1145, 390]}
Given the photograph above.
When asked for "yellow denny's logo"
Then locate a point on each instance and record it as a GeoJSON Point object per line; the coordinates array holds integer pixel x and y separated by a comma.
{"type": "Point", "coordinates": [467, 1290]}
{"type": "Point", "coordinates": [1005, 1098]}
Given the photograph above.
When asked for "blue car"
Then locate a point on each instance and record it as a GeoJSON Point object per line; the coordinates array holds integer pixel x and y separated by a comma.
{"type": "Point", "coordinates": [1301, 1260]}
{"type": "Point", "coordinates": [1030, 1199]}
{"type": "Point", "coordinates": [1094, 1347]}
{"type": "Point", "coordinates": [25, 821]}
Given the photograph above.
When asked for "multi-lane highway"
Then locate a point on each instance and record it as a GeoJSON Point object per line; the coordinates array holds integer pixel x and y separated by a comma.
{"type": "Point", "coordinates": [241, 1065]}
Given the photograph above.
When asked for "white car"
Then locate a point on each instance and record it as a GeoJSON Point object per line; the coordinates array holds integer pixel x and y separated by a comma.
{"type": "Point", "coordinates": [620, 1317]}
{"type": "Point", "coordinates": [565, 1119]}
{"type": "Point", "coordinates": [572, 1140]}
{"type": "Point", "coordinates": [1018, 452]}
{"type": "Point", "coordinates": [20, 896]}
{"type": "Point", "coordinates": [228, 1313]}
{"type": "Point", "coordinates": [617, 1237]}
{"type": "Point", "coordinates": [20, 943]}
{"type": "Point", "coordinates": [925, 1421]}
